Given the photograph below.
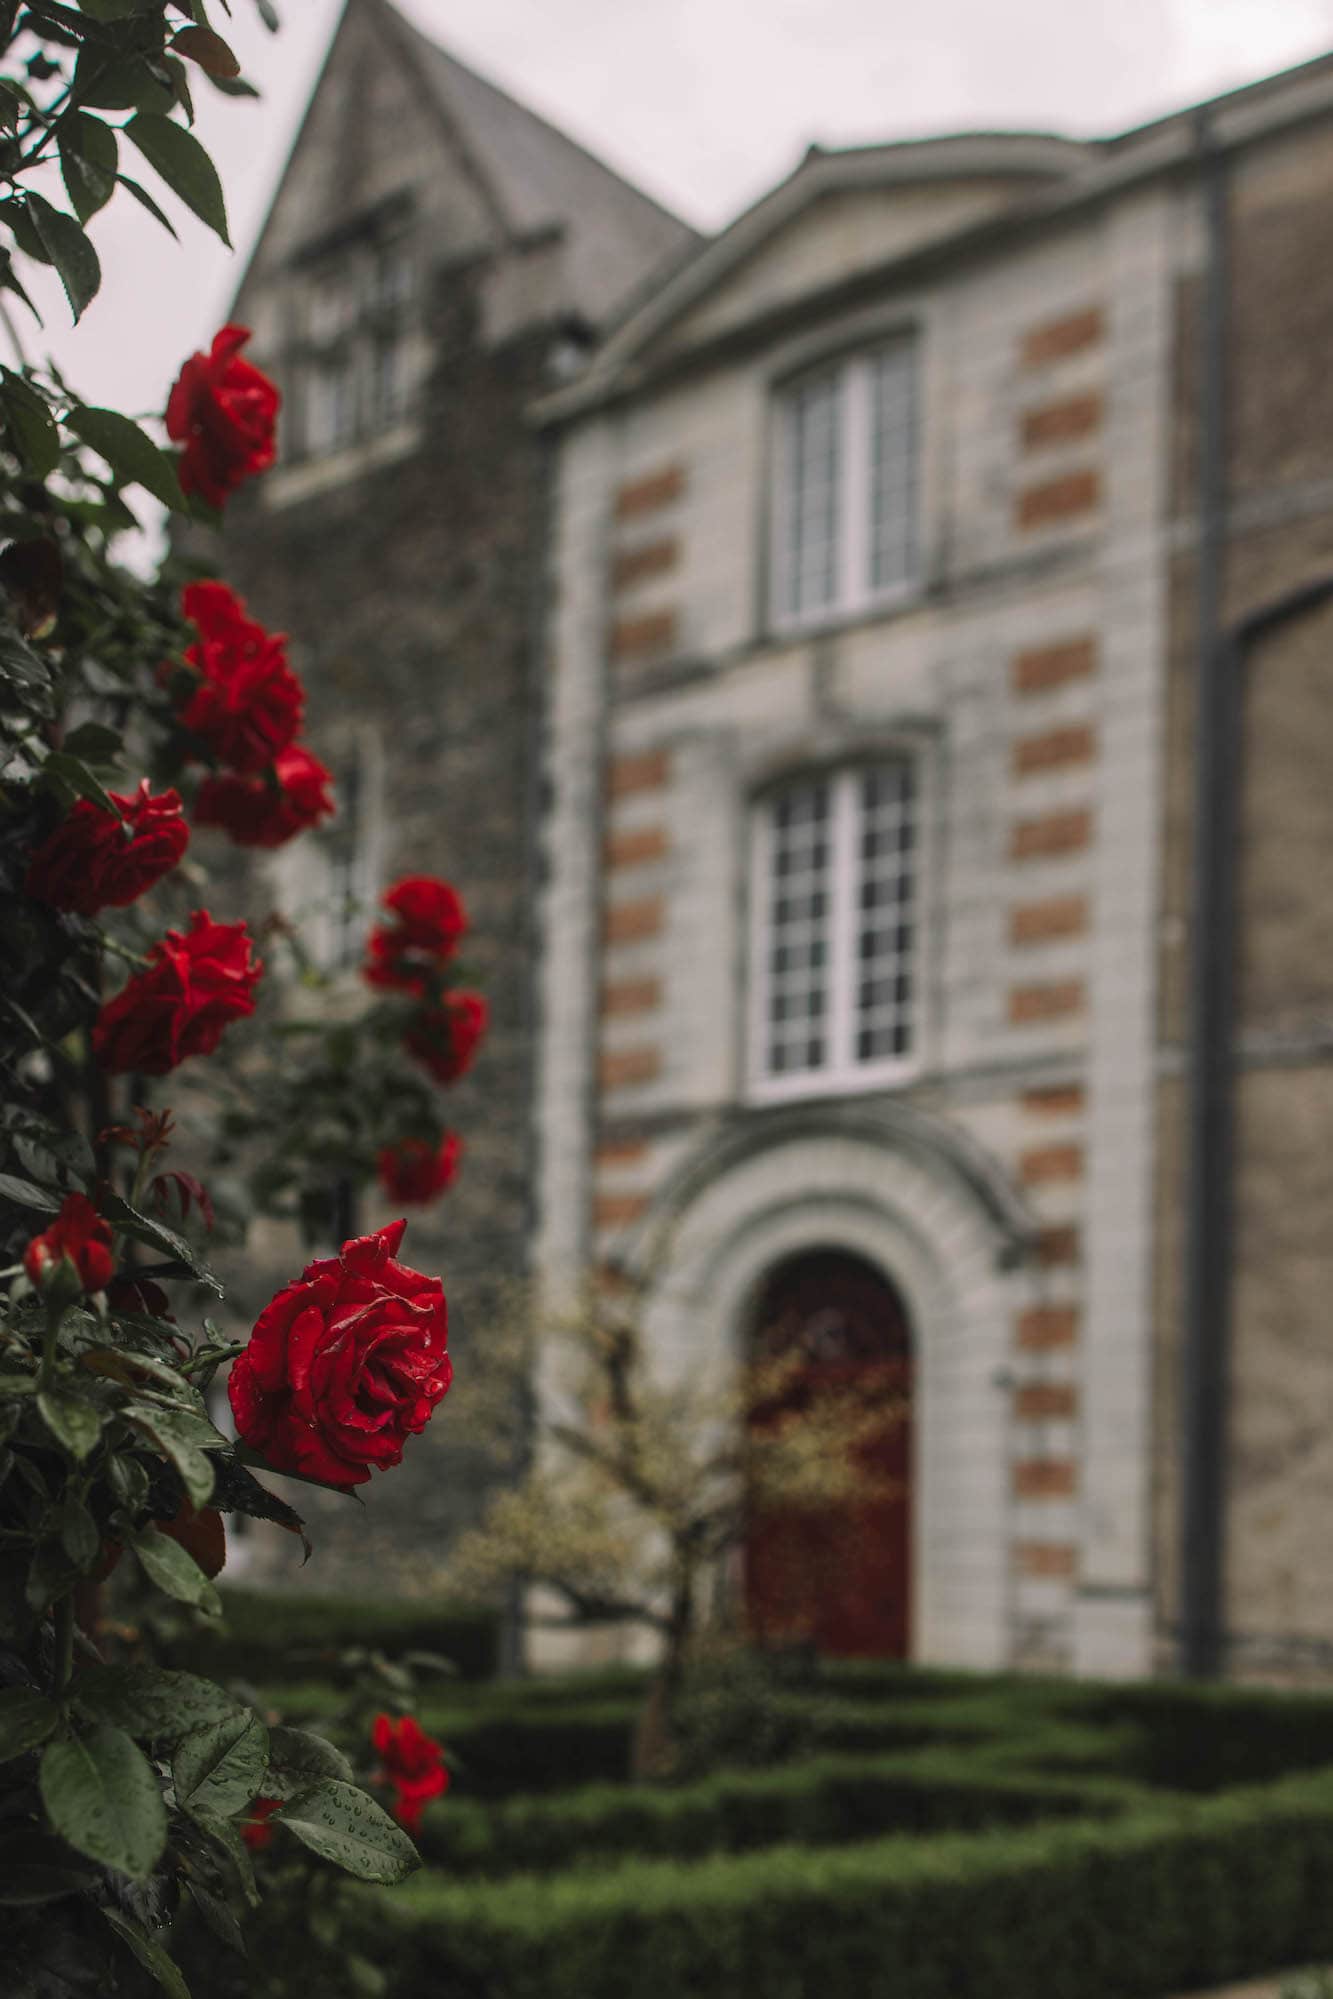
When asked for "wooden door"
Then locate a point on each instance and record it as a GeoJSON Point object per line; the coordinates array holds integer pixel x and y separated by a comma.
{"type": "Point", "coordinates": [839, 1578]}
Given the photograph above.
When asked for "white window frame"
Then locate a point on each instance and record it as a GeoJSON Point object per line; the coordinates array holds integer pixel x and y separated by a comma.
{"type": "Point", "coordinates": [854, 594]}
{"type": "Point", "coordinates": [841, 1074]}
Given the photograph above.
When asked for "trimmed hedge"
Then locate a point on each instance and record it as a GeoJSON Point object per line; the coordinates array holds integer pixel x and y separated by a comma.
{"type": "Point", "coordinates": [1192, 1894]}
{"type": "Point", "coordinates": [827, 1801]}
{"type": "Point", "coordinates": [279, 1639]}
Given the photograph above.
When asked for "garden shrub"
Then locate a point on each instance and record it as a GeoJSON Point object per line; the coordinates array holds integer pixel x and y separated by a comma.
{"type": "Point", "coordinates": [824, 1801]}
{"type": "Point", "coordinates": [1170, 1897]}
{"type": "Point", "coordinates": [270, 1640]}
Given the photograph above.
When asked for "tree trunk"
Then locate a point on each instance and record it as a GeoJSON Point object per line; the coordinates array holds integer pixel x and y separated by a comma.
{"type": "Point", "coordinates": [653, 1754]}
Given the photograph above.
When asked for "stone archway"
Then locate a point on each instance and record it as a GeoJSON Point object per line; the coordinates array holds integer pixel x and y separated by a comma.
{"type": "Point", "coordinates": [837, 1576]}
{"type": "Point", "coordinates": [725, 1222]}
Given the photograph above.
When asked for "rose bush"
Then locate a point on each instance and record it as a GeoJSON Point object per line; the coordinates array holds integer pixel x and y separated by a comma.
{"type": "Point", "coordinates": [445, 1038]}
{"type": "Point", "coordinates": [224, 412]}
{"type": "Point", "coordinates": [97, 859]}
{"type": "Point", "coordinates": [241, 701]}
{"type": "Point", "coordinates": [196, 983]}
{"type": "Point", "coordinates": [409, 954]}
{"type": "Point", "coordinates": [412, 1762]}
{"type": "Point", "coordinates": [79, 1234]}
{"type": "Point", "coordinates": [272, 808]}
{"type": "Point", "coordinates": [344, 1365]}
{"type": "Point", "coordinates": [415, 1170]}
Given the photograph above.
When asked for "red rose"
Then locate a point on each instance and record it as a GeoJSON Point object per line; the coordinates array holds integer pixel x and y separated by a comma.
{"type": "Point", "coordinates": [255, 1830]}
{"type": "Point", "coordinates": [430, 919]}
{"type": "Point", "coordinates": [79, 1233]}
{"type": "Point", "coordinates": [223, 410]}
{"type": "Point", "coordinates": [344, 1365]}
{"type": "Point", "coordinates": [246, 702]}
{"type": "Point", "coordinates": [417, 1169]}
{"type": "Point", "coordinates": [268, 810]}
{"type": "Point", "coordinates": [413, 1762]}
{"type": "Point", "coordinates": [106, 860]}
{"type": "Point", "coordinates": [444, 1038]}
{"type": "Point", "coordinates": [194, 987]}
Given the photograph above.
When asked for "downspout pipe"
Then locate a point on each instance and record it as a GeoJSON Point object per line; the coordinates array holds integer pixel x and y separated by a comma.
{"type": "Point", "coordinates": [1223, 656]}
{"type": "Point", "coordinates": [1212, 957]}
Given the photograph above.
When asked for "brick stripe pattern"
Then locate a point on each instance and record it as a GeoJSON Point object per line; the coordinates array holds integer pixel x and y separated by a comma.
{"type": "Point", "coordinates": [645, 556]}
{"type": "Point", "coordinates": [1060, 424]}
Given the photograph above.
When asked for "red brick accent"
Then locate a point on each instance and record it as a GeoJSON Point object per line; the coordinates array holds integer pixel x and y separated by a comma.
{"type": "Point", "coordinates": [649, 771]}
{"type": "Point", "coordinates": [653, 490]}
{"type": "Point", "coordinates": [1044, 1478]}
{"type": "Point", "coordinates": [621, 1068]}
{"type": "Point", "coordinates": [617, 1211]}
{"type": "Point", "coordinates": [628, 922]}
{"type": "Point", "coordinates": [634, 849]}
{"type": "Point", "coordinates": [1041, 668]}
{"type": "Point", "coordinates": [650, 558]}
{"type": "Point", "coordinates": [1029, 1005]}
{"type": "Point", "coordinates": [1043, 922]}
{"type": "Point", "coordinates": [622, 996]}
{"type": "Point", "coordinates": [1045, 1558]}
{"type": "Point", "coordinates": [1054, 833]}
{"type": "Point", "coordinates": [1048, 1163]}
{"type": "Point", "coordinates": [612, 1280]}
{"type": "Point", "coordinates": [1054, 1099]}
{"type": "Point", "coordinates": [1058, 1247]}
{"type": "Point", "coordinates": [1054, 749]}
{"type": "Point", "coordinates": [1057, 339]}
{"type": "Point", "coordinates": [1061, 499]}
{"type": "Point", "coordinates": [1045, 1402]}
{"type": "Point", "coordinates": [641, 638]}
{"type": "Point", "coordinates": [1042, 1327]}
{"type": "Point", "coordinates": [614, 1152]}
{"type": "Point", "coordinates": [1059, 422]}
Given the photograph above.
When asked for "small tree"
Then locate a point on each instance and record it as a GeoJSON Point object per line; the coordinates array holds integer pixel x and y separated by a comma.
{"type": "Point", "coordinates": [641, 1484]}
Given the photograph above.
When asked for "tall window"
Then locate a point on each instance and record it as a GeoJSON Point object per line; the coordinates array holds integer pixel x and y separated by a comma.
{"type": "Point", "coordinates": [836, 929]}
{"type": "Point", "coordinates": [845, 518]}
{"type": "Point", "coordinates": [353, 360]}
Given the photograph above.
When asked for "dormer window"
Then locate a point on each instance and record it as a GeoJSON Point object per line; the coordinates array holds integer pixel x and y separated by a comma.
{"type": "Point", "coordinates": [352, 366]}
{"type": "Point", "coordinates": [845, 528]}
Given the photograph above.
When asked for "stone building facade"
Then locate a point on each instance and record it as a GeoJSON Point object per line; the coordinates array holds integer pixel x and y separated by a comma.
{"type": "Point", "coordinates": [434, 258]}
{"type": "Point", "coordinates": [870, 667]}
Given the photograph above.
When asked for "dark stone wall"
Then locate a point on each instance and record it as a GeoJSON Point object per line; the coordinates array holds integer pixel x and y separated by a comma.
{"type": "Point", "coordinates": [408, 595]}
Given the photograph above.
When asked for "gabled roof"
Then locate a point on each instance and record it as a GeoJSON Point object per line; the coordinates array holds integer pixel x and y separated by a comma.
{"type": "Point", "coordinates": [1051, 178]}
{"type": "Point", "coordinates": [540, 179]}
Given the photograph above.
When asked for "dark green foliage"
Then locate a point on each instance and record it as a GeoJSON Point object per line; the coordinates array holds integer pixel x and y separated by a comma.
{"type": "Point", "coordinates": [1163, 1900]}
{"type": "Point", "coordinates": [304, 1638]}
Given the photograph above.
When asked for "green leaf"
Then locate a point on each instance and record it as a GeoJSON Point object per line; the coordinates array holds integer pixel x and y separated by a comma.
{"type": "Point", "coordinates": [221, 1767]}
{"type": "Point", "coordinates": [130, 453]}
{"type": "Point", "coordinates": [297, 1759]}
{"type": "Point", "coordinates": [31, 425]}
{"type": "Point", "coordinates": [72, 1422]}
{"type": "Point", "coordinates": [87, 163]}
{"type": "Point", "coordinates": [345, 1825]}
{"type": "Point", "coordinates": [72, 774]}
{"type": "Point", "coordinates": [268, 14]}
{"type": "Point", "coordinates": [94, 742]}
{"type": "Point", "coordinates": [101, 1795]}
{"type": "Point", "coordinates": [26, 1887]}
{"type": "Point", "coordinates": [25, 1195]}
{"type": "Point", "coordinates": [131, 83]}
{"type": "Point", "coordinates": [20, 662]}
{"type": "Point", "coordinates": [156, 1235]}
{"type": "Point", "coordinates": [166, 1563]}
{"type": "Point", "coordinates": [184, 165]}
{"type": "Point", "coordinates": [78, 1532]}
{"type": "Point", "coordinates": [142, 196]}
{"type": "Point", "coordinates": [232, 1853]}
{"type": "Point", "coordinates": [154, 1705]}
{"type": "Point", "coordinates": [26, 1718]}
{"type": "Point", "coordinates": [176, 1435]}
{"type": "Point", "coordinates": [206, 48]}
{"type": "Point", "coordinates": [69, 250]}
{"type": "Point", "coordinates": [233, 86]}
{"type": "Point", "coordinates": [149, 1953]}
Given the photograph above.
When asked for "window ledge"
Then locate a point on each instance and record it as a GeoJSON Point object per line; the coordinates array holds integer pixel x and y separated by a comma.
{"type": "Point", "coordinates": [829, 1083]}
{"type": "Point", "coordinates": [787, 630]}
{"type": "Point", "coordinates": [288, 484]}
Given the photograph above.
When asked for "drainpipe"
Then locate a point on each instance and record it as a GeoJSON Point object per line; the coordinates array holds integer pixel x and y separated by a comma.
{"type": "Point", "coordinates": [1207, 1214]}
{"type": "Point", "coordinates": [1223, 658]}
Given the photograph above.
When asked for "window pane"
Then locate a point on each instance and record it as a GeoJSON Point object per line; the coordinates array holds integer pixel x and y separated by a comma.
{"type": "Point", "coordinates": [796, 901]}
{"type": "Point", "coordinates": [887, 814]}
{"type": "Point", "coordinates": [814, 453]}
{"type": "Point", "coordinates": [893, 464]}
{"type": "Point", "coordinates": [330, 401]}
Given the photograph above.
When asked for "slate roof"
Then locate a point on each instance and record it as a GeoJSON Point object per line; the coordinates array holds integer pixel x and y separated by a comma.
{"type": "Point", "coordinates": [617, 236]}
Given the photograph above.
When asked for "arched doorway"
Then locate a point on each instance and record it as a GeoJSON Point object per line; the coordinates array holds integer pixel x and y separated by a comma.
{"type": "Point", "coordinates": [839, 1578]}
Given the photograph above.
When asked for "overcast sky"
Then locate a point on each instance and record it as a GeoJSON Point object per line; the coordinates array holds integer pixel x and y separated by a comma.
{"type": "Point", "coordinates": [704, 102]}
